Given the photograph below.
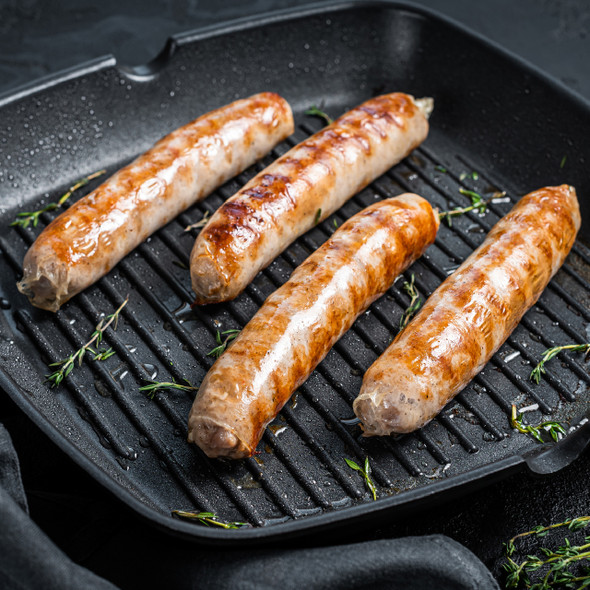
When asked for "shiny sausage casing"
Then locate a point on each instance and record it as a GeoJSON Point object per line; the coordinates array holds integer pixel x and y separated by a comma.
{"type": "Point", "coordinates": [89, 238]}
{"type": "Point", "coordinates": [304, 186]}
{"type": "Point", "coordinates": [298, 324]}
{"type": "Point", "coordinates": [468, 318]}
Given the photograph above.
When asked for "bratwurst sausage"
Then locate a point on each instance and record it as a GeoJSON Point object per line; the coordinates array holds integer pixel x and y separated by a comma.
{"type": "Point", "coordinates": [299, 189]}
{"type": "Point", "coordinates": [298, 324]}
{"type": "Point", "coordinates": [89, 238]}
{"type": "Point", "coordinates": [470, 315]}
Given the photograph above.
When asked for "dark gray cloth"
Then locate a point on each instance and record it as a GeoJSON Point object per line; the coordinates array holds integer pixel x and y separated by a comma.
{"type": "Point", "coordinates": [29, 560]}
{"type": "Point", "coordinates": [432, 562]}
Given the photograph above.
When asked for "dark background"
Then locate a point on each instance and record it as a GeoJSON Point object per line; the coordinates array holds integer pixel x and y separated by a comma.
{"type": "Point", "coordinates": [40, 37]}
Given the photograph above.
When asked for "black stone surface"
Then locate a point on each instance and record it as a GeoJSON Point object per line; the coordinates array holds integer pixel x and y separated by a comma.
{"type": "Point", "coordinates": [40, 37]}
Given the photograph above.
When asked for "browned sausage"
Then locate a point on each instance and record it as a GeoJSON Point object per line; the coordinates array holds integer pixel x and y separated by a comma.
{"type": "Point", "coordinates": [89, 238]}
{"type": "Point", "coordinates": [302, 187]}
{"type": "Point", "coordinates": [470, 315]}
{"type": "Point", "coordinates": [298, 324]}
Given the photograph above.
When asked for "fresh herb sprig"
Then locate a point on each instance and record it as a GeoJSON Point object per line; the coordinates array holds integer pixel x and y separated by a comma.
{"type": "Point", "coordinates": [315, 112]}
{"type": "Point", "coordinates": [208, 519]}
{"type": "Point", "coordinates": [27, 217]}
{"type": "Point", "coordinates": [477, 202]}
{"type": "Point", "coordinates": [154, 386]}
{"type": "Point", "coordinates": [67, 365]}
{"type": "Point", "coordinates": [473, 175]}
{"type": "Point", "coordinates": [199, 224]}
{"type": "Point", "coordinates": [222, 343]}
{"type": "Point", "coordinates": [553, 352]}
{"type": "Point", "coordinates": [366, 473]}
{"type": "Point", "coordinates": [554, 566]}
{"type": "Point", "coordinates": [415, 303]}
{"type": "Point", "coordinates": [555, 429]}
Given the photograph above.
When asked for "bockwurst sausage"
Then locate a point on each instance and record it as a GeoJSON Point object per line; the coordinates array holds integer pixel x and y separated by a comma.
{"type": "Point", "coordinates": [89, 238]}
{"type": "Point", "coordinates": [299, 189]}
{"type": "Point", "coordinates": [298, 324]}
{"type": "Point", "coordinates": [470, 315]}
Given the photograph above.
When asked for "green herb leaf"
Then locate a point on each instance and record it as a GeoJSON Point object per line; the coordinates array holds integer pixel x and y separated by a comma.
{"type": "Point", "coordinates": [415, 303]}
{"type": "Point", "coordinates": [554, 429]}
{"type": "Point", "coordinates": [199, 224]}
{"type": "Point", "coordinates": [440, 168]}
{"type": "Point", "coordinates": [477, 202]}
{"type": "Point", "coordinates": [154, 386]}
{"type": "Point", "coordinates": [27, 217]}
{"type": "Point", "coordinates": [551, 353]}
{"type": "Point", "coordinates": [222, 344]}
{"type": "Point", "coordinates": [318, 216]}
{"type": "Point", "coordinates": [366, 473]}
{"type": "Point", "coordinates": [67, 365]}
{"type": "Point", "coordinates": [208, 519]}
{"type": "Point", "coordinates": [315, 112]}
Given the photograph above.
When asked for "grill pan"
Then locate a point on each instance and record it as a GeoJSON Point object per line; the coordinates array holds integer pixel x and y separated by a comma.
{"type": "Point", "coordinates": [493, 114]}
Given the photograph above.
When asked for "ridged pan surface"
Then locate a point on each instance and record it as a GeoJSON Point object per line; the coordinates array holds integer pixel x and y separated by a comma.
{"type": "Point", "coordinates": [515, 128]}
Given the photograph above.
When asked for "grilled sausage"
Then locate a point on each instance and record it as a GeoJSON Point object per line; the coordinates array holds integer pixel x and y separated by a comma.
{"type": "Point", "coordinates": [470, 315]}
{"type": "Point", "coordinates": [298, 324]}
{"type": "Point", "coordinates": [302, 187]}
{"type": "Point", "coordinates": [89, 238]}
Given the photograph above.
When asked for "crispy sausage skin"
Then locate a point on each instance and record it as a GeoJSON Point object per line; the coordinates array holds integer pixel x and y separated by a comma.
{"type": "Point", "coordinates": [305, 185]}
{"type": "Point", "coordinates": [470, 315]}
{"type": "Point", "coordinates": [298, 324]}
{"type": "Point", "coordinates": [89, 238]}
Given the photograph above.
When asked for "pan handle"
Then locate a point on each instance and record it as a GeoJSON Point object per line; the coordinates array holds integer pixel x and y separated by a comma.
{"type": "Point", "coordinates": [560, 455]}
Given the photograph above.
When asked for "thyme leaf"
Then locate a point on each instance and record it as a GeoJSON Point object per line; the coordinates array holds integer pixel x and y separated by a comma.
{"type": "Point", "coordinates": [440, 168]}
{"type": "Point", "coordinates": [553, 428]}
{"type": "Point", "coordinates": [477, 202]}
{"type": "Point", "coordinates": [473, 175]}
{"type": "Point", "coordinates": [315, 112]}
{"type": "Point", "coordinates": [25, 218]}
{"type": "Point", "coordinates": [154, 386]}
{"type": "Point", "coordinates": [67, 365]}
{"type": "Point", "coordinates": [199, 224]}
{"type": "Point", "coordinates": [208, 519]}
{"type": "Point", "coordinates": [222, 343]}
{"type": "Point", "coordinates": [415, 303]}
{"type": "Point", "coordinates": [553, 569]}
{"type": "Point", "coordinates": [552, 352]}
{"type": "Point", "coordinates": [318, 216]}
{"type": "Point", "coordinates": [366, 473]}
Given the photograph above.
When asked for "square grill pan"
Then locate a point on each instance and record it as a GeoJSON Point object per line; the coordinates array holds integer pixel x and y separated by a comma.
{"type": "Point", "coordinates": [493, 114]}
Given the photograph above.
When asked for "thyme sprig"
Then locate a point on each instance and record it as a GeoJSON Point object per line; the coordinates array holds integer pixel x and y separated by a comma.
{"type": "Point", "coordinates": [366, 473]}
{"type": "Point", "coordinates": [553, 428]}
{"type": "Point", "coordinates": [552, 352]}
{"type": "Point", "coordinates": [153, 387]}
{"type": "Point", "coordinates": [67, 365]}
{"type": "Point", "coordinates": [222, 343]}
{"type": "Point", "coordinates": [315, 112]}
{"type": "Point", "coordinates": [477, 202]}
{"type": "Point", "coordinates": [554, 566]}
{"type": "Point", "coordinates": [26, 217]}
{"type": "Point", "coordinates": [415, 303]}
{"type": "Point", "coordinates": [208, 519]}
{"type": "Point", "coordinates": [199, 224]}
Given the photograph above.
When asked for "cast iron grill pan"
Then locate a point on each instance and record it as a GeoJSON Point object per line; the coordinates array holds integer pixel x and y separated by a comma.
{"type": "Point", "coordinates": [335, 57]}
